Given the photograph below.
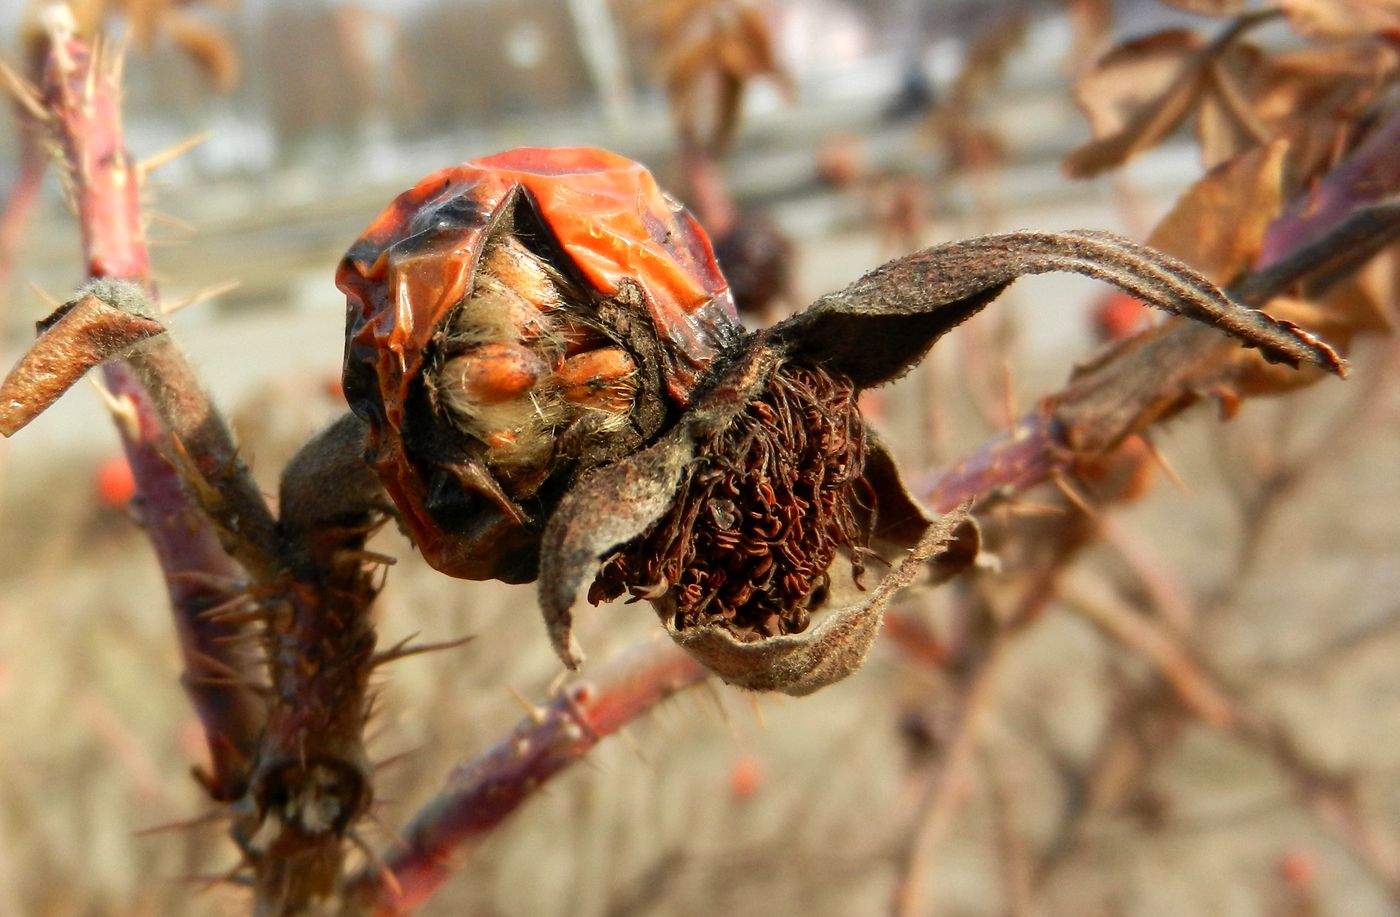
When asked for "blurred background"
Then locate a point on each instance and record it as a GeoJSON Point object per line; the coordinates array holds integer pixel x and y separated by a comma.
{"type": "Point", "coordinates": [867, 129]}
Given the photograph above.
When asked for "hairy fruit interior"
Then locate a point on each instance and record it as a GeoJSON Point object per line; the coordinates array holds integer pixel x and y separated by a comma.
{"type": "Point", "coordinates": [521, 360]}
{"type": "Point", "coordinates": [759, 516]}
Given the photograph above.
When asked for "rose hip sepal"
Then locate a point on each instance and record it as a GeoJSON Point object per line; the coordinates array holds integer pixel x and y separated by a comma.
{"type": "Point", "coordinates": [513, 320]}
{"type": "Point", "coordinates": [772, 471]}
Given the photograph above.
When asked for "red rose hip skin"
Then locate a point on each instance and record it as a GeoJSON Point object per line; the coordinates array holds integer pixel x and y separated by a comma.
{"type": "Point", "coordinates": [512, 321]}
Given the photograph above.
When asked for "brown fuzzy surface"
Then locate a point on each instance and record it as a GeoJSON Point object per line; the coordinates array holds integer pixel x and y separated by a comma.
{"type": "Point", "coordinates": [759, 517]}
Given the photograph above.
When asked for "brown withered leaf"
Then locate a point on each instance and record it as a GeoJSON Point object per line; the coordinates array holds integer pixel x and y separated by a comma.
{"type": "Point", "coordinates": [1091, 21]}
{"type": "Point", "coordinates": [1342, 18]}
{"type": "Point", "coordinates": [1134, 96]}
{"type": "Point", "coordinates": [611, 506]}
{"type": "Point", "coordinates": [77, 337]}
{"type": "Point", "coordinates": [1313, 95]}
{"type": "Point", "coordinates": [1141, 91]}
{"type": "Point", "coordinates": [799, 664]}
{"type": "Point", "coordinates": [1218, 225]}
{"type": "Point", "coordinates": [709, 51]}
{"type": "Point", "coordinates": [985, 63]}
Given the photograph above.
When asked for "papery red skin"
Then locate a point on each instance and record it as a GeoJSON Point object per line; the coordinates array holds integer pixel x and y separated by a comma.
{"type": "Point", "coordinates": [403, 277]}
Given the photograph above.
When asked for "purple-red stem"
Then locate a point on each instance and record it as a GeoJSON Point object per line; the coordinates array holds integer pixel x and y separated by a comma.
{"type": "Point", "coordinates": [85, 113]}
{"type": "Point", "coordinates": [483, 793]}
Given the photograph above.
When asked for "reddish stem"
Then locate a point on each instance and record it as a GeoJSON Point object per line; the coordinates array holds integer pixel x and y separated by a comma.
{"type": "Point", "coordinates": [85, 116]}
{"type": "Point", "coordinates": [483, 793]}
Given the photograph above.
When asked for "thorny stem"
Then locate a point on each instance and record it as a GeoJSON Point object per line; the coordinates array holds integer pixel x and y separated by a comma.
{"type": "Point", "coordinates": [296, 765]}
{"type": "Point", "coordinates": [84, 115]}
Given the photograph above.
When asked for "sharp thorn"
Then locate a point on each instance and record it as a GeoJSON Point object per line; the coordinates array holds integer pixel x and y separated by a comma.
{"type": "Point", "coordinates": [213, 815]}
{"type": "Point", "coordinates": [536, 714]}
{"type": "Point", "coordinates": [25, 93]}
{"type": "Point", "coordinates": [386, 875]}
{"type": "Point", "coordinates": [403, 649]}
{"type": "Point", "coordinates": [121, 407]}
{"type": "Point", "coordinates": [1165, 464]}
{"type": "Point", "coordinates": [151, 163]}
{"type": "Point", "coordinates": [53, 302]}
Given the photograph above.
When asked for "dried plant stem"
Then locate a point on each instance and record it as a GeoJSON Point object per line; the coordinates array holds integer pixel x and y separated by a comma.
{"type": "Point", "coordinates": [296, 766]}
{"type": "Point", "coordinates": [484, 792]}
{"type": "Point", "coordinates": [83, 108]}
{"type": "Point", "coordinates": [1331, 798]}
{"type": "Point", "coordinates": [948, 784]}
{"type": "Point", "coordinates": [24, 190]}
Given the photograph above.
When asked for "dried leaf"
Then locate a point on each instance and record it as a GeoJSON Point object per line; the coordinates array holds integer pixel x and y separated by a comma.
{"type": "Point", "coordinates": [879, 326]}
{"type": "Point", "coordinates": [1091, 21]}
{"type": "Point", "coordinates": [76, 338]}
{"type": "Point", "coordinates": [1218, 225]}
{"type": "Point", "coordinates": [985, 63]}
{"type": "Point", "coordinates": [1135, 95]}
{"type": "Point", "coordinates": [799, 664]}
{"type": "Point", "coordinates": [1342, 18]}
{"type": "Point", "coordinates": [1313, 95]}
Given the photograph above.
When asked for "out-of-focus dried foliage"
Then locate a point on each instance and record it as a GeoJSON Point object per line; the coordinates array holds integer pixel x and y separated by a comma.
{"type": "Point", "coordinates": [148, 21]}
{"type": "Point", "coordinates": [708, 51]}
{"type": "Point", "coordinates": [1343, 18]}
{"type": "Point", "coordinates": [1218, 225]}
{"type": "Point", "coordinates": [1240, 94]}
{"type": "Point", "coordinates": [1091, 22]}
{"type": "Point", "coordinates": [969, 143]}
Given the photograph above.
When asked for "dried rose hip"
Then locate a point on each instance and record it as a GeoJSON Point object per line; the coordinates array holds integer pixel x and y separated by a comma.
{"type": "Point", "coordinates": [513, 321]}
{"type": "Point", "coordinates": [555, 385]}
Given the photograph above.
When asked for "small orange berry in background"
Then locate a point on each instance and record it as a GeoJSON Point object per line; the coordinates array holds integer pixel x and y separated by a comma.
{"type": "Point", "coordinates": [1298, 868]}
{"type": "Point", "coordinates": [745, 776]}
{"type": "Point", "coordinates": [114, 483]}
{"type": "Point", "coordinates": [1118, 316]}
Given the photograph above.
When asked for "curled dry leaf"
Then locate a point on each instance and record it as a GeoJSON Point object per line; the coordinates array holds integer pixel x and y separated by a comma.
{"type": "Point", "coordinates": [1343, 18]}
{"type": "Point", "coordinates": [1136, 95]}
{"type": "Point", "coordinates": [1241, 95]}
{"type": "Point", "coordinates": [1313, 96]}
{"type": "Point", "coordinates": [1218, 225]}
{"type": "Point", "coordinates": [74, 339]}
{"type": "Point", "coordinates": [721, 474]}
{"type": "Point", "coordinates": [709, 51]}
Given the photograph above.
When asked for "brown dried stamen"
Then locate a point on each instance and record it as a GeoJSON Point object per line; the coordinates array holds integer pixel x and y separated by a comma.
{"type": "Point", "coordinates": [760, 516]}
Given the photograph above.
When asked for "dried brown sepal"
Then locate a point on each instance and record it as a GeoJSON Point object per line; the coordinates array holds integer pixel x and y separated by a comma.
{"type": "Point", "coordinates": [799, 664]}
{"type": "Point", "coordinates": [758, 518]}
{"type": "Point", "coordinates": [881, 325]}
{"type": "Point", "coordinates": [79, 336]}
{"type": "Point", "coordinates": [618, 502]}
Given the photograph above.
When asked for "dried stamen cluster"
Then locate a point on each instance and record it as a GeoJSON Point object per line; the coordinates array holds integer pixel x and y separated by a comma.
{"type": "Point", "coordinates": [519, 361]}
{"type": "Point", "coordinates": [760, 515]}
